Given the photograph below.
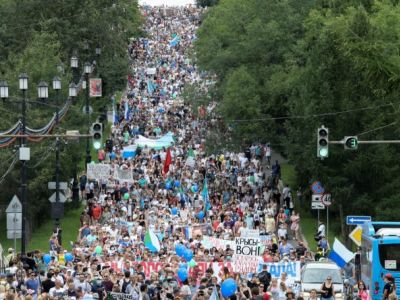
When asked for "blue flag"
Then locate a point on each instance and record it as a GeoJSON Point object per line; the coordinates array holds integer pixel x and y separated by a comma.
{"type": "Point", "coordinates": [206, 196]}
{"type": "Point", "coordinates": [127, 111]}
{"type": "Point", "coordinates": [175, 41]}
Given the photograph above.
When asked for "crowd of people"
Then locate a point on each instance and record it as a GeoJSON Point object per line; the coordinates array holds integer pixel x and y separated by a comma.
{"type": "Point", "coordinates": [177, 192]}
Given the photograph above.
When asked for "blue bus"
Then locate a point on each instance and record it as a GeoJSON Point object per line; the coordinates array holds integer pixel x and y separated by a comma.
{"type": "Point", "coordinates": [380, 255]}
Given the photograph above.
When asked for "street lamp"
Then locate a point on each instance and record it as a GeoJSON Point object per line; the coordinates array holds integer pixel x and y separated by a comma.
{"type": "Point", "coordinates": [72, 90]}
{"type": "Point", "coordinates": [43, 90]}
{"type": "Point", "coordinates": [98, 50]}
{"type": "Point", "coordinates": [56, 83]}
{"type": "Point", "coordinates": [23, 82]}
{"type": "Point", "coordinates": [74, 67]}
{"type": "Point", "coordinates": [74, 62]}
{"type": "Point", "coordinates": [3, 90]}
{"type": "Point", "coordinates": [57, 88]}
{"type": "Point", "coordinates": [88, 68]}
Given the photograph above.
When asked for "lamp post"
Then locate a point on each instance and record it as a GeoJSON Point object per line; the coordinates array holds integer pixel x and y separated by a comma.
{"type": "Point", "coordinates": [23, 86]}
{"type": "Point", "coordinates": [3, 90]}
{"type": "Point", "coordinates": [88, 70]}
{"type": "Point", "coordinates": [57, 88]}
{"type": "Point", "coordinates": [74, 67]}
{"type": "Point", "coordinates": [43, 90]}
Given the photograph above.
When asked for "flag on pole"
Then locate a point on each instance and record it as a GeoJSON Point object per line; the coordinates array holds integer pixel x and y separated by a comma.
{"type": "Point", "coordinates": [151, 241]}
{"type": "Point", "coordinates": [340, 254]}
{"type": "Point", "coordinates": [151, 87]}
{"type": "Point", "coordinates": [127, 110]}
{"type": "Point", "coordinates": [206, 196]}
{"type": "Point", "coordinates": [190, 161]}
{"type": "Point", "coordinates": [168, 161]}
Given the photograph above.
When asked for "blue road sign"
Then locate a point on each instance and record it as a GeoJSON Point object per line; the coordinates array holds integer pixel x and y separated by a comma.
{"type": "Point", "coordinates": [357, 220]}
{"type": "Point", "coordinates": [317, 188]}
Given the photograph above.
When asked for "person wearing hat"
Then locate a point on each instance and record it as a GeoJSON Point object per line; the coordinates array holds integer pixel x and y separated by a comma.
{"type": "Point", "coordinates": [389, 287]}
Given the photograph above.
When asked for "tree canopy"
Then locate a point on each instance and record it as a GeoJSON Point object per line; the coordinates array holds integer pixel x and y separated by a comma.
{"type": "Point", "coordinates": [286, 67]}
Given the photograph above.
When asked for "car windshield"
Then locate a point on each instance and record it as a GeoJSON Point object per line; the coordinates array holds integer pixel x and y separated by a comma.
{"type": "Point", "coordinates": [319, 275]}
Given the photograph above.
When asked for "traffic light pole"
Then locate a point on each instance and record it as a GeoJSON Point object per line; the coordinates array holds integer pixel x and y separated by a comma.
{"type": "Point", "coordinates": [342, 142]}
{"type": "Point", "coordinates": [88, 157]}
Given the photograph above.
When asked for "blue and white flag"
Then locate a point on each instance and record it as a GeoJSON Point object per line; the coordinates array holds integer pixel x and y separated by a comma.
{"type": "Point", "coordinates": [127, 111]}
{"type": "Point", "coordinates": [151, 87]}
{"type": "Point", "coordinates": [340, 254]}
{"type": "Point", "coordinates": [206, 196]}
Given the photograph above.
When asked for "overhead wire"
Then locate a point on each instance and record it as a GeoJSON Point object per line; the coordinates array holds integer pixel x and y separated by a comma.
{"type": "Point", "coordinates": [10, 168]}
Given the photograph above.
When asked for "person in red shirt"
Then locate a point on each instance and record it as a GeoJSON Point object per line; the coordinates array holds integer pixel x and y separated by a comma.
{"type": "Point", "coordinates": [96, 212]}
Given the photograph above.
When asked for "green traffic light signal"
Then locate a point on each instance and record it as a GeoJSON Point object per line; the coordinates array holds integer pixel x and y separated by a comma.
{"type": "Point", "coordinates": [97, 135]}
{"type": "Point", "coordinates": [322, 142]}
{"type": "Point", "coordinates": [351, 142]}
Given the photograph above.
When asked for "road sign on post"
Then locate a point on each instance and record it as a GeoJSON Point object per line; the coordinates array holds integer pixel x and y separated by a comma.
{"type": "Point", "coordinates": [52, 185]}
{"type": "Point", "coordinates": [52, 198]}
{"type": "Point", "coordinates": [14, 220]}
{"type": "Point", "coordinates": [317, 188]}
{"type": "Point", "coordinates": [316, 202]}
{"type": "Point", "coordinates": [357, 220]}
{"type": "Point", "coordinates": [326, 199]}
{"type": "Point", "coordinates": [351, 142]}
{"type": "Point", "coordinates": [355, 235]}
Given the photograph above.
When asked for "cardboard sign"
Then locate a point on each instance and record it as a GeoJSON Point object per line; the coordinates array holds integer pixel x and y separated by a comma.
{"type": "Point", "coordinates": [210, 242]}
{"type": "Point", "coordinates": [98, 171]}
{"type": "Point", "coordinates": [245, 264]}
{"type": "Point", "coordinates": [245, 232]}
{"type": "Point", "coordinates": [247, 246]}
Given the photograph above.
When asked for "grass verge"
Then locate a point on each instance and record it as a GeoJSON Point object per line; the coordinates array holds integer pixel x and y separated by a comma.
{"type": "Point", "coordinates": [40, 238]}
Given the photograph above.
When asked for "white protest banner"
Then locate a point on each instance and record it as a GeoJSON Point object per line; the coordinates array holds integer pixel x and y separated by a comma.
{"type": "Point", "coordinates": [245, 232]}
{"type": "Point", "coordinates": [98, 171]}
{"type": "Point", "coordinates": [292, 269]}
{"type": "Point", "coordinates": [265, 240]}
{"type": "Point", "coordinates": [120, 296]}
{"type": "Point", "coordinates": [245, 264]}
{"type": "Point", "coordinates": [123, 175]}
{"type": "Point", "coordinates": [151, 71]}
{"type": "Point", "coordinates": [247, 246]}
{"type": "Point", "coordinates": [209, 242]}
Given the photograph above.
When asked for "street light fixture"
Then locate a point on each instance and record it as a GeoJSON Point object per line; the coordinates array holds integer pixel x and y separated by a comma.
{"type": "Point", "coordinates": [86, 45]}
{"type": "Point", "coordinates": [74, 62]}
{"type": "Point", "coordinates": [3, 90]}
{"type": "Point", "coordinates": [56, 83]}
{"type": "Point", "coordinates": [98, 50]}
{"type": "Point", "coordinates": [23, 82]}
{"type": "Point", "coordinates": [72, 90]}
{"type": "Point", "coordinates": [43, 90]}
{"type": "Point", "coordinates": [88, 68]}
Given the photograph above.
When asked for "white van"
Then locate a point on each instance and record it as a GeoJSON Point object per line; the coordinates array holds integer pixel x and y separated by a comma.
{"type": "Point", "coordinates": [313, 275]}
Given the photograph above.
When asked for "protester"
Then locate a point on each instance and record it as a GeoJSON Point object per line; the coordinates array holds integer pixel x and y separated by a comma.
{"type": "Point", "coordinates": [161, 214]}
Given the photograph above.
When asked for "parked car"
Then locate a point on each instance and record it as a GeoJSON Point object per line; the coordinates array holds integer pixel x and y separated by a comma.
{"type": "Point", "coordinates": [313, 275]}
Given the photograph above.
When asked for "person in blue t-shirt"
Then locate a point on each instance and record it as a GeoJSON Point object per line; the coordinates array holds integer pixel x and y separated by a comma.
{"type": "Point", "coordinates": [32, 283]}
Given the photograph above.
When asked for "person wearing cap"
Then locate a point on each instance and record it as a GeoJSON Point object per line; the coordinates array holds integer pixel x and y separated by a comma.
{"type": "Point", "coordinates": [389, 287]}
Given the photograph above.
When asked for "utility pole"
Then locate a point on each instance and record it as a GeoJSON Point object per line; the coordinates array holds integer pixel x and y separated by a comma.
{"type": "Point", "coordinates": [23, 85]}
{"type": "Point", "coordinates": [88, 70]}
{"type": "Point", "coordinates": [57, 219]}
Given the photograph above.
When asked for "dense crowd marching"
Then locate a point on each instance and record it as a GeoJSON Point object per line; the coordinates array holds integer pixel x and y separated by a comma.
{"type": "Point", "coordinates": [178, 193]}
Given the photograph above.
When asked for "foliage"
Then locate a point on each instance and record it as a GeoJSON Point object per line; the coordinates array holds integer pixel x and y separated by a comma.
{"type": "Point", "coordinates": [206, 3]}
{"type": "Point", "coordinates": [37, 36]}
{"type": "Point", "coordinates": [297, 65]}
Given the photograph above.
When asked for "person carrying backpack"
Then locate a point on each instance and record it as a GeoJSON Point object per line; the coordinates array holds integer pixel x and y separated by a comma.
{"type": "Point", "coordinates": [265, 277]}
{"type": "Point", "coordinates": [389, 288]}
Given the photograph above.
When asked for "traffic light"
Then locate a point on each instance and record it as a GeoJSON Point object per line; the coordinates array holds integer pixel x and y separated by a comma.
{"type": "Point", "coordinates": [322, 142]}
{"type": "Point", "coordinates": [351, 142]}
{"type": "Point", "coordinates": [97, 135]}
{"type": "Point", "coordinates": [109, 145]}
